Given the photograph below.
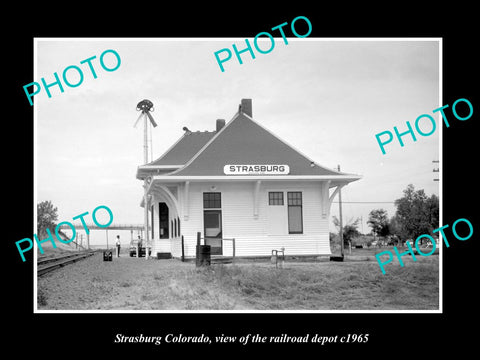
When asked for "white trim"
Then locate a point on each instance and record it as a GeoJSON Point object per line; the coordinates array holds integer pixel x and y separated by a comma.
{"type": "Point", "coordinates": [171, 196]}
{"type": "Point", "coordinates": [337, 189]}
{"type": "Point", "coordinates": [144, 171]}
{"type": "Point", "coordinates": [159, 167]}
{"type": "Point", "coordinates": [185, 202]}
{"type": "Point", "coordinates": [256, 200]}
{"type": "Point", "coordinates": [325, 199]}
{"type": "Point", "coordinates": [173, 178]}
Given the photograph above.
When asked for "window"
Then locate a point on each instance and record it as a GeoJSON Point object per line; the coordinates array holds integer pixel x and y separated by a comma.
{"type": "Point", "coordinates": [212, 200]}
{"type": "Point", "coordinates": [294, 202]}
{"type": "Point", "coordinates": [163, 220]}
{"type": "Point", "coordinates": [275, 198]}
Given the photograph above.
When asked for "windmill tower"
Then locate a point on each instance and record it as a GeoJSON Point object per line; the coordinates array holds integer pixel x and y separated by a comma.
{"type": "Point", "coordinates": [145, 106]}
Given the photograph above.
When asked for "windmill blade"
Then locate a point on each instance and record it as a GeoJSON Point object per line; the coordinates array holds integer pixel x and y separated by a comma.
{"type": "Point", "coordinates": [136, 122]}
{"type": "Point", "coordinates": [151, 119]}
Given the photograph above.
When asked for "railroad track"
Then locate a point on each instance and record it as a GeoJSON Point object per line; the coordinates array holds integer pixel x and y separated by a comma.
{"type": "Point", "coordinates": [46, 265]}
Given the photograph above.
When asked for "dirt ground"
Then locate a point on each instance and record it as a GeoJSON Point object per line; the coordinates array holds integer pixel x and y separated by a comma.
{"type": "Point", "coordinates": [137, 284]}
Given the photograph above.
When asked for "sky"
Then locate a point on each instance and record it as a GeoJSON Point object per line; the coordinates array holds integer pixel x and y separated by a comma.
{"type": "Point", "coordinates": [326, 97]}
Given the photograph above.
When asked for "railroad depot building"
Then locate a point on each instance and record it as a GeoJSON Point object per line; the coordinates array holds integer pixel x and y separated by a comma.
{"type": "Point", "coordinates": [239, 181]}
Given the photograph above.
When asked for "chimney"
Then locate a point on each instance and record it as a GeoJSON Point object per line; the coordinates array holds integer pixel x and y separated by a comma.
{"type": "Point", "coordinates": [246, 107]}
{"type": "Point", "coordinates": [220, 124]}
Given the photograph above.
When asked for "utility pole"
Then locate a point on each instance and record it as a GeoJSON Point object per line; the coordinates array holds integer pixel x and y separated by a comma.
{"type": "Point", "coordinates": [341, 220]}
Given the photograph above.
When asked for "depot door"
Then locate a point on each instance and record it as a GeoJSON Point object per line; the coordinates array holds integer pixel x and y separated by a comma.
{"type": "Point", "coordinates": [212, 220]}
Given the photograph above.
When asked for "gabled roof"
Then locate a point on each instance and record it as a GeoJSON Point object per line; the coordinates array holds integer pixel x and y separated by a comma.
{"type": "Point", "coordinates": [184, 149]}
{"type": "Point", "coordinates": [177, 155]}
{"type": "Point", "coordinates": [243, 141]}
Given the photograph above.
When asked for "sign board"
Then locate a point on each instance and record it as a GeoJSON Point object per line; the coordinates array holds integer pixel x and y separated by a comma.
{"type": "Point", "coordinates": [256, 169]}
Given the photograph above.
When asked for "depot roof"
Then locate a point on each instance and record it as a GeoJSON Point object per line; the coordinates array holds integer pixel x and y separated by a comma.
{"type": "Point", "coordinates": [184, 149]}
{"type": "Point", "coordinates": [241, 141]}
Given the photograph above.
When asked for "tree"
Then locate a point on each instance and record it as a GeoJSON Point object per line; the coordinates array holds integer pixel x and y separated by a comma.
{"type": "Point", "coordinates": [396, 229]}
{"type": "Point", "coordinates": [432, 208]}
{"type": "Point", "coordinates": [378, 221]}
{"type": "Point", "coordinates": [416, 213]}
{"type": "Point", "coordinates": [46, 218]}
{"type": "Point", "coordinates": [350, 230]}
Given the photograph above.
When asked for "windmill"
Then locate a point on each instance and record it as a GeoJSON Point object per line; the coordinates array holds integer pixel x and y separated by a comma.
{"type": "Point", "coordinates": [145, 106]}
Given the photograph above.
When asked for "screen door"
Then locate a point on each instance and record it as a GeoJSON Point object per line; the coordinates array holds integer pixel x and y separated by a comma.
{"type": "Point", "coordinates": [212, 220]}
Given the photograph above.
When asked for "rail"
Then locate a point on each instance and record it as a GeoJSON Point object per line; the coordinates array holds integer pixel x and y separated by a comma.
{"type": "Point", "coordinates": [47, 265]}
{"type": "Point", "coordinates": [200, 238]}
{"type": "Point", "coordinates": [233, 247]}
{"type": "Point", "coordinates": [110, 227]}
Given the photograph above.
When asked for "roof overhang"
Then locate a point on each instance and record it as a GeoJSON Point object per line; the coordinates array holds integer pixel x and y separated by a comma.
{"type": "Point", "coordinates": [144, 171]}
{"type": "Point", "coordinates": [340, 178]}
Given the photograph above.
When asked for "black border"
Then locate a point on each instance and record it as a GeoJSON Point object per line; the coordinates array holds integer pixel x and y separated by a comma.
{"type": "Point", "coordinates": [93, 334]}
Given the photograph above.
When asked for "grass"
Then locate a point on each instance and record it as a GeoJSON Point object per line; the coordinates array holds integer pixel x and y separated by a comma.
{"type": "Point", "coordinates": [307, 286]}
{"type": "Point", "coordinates": [373, 250]}
{"type": "Point", "coordinates": [332, 286]}
{"type": "Point", "coordinates": [41, 298]}
{"type": "Point", "coordinates": [173, 285]}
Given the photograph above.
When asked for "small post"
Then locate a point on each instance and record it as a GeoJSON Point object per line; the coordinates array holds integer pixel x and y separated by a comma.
{"type": "Point", "coordinates": [280, 258]}
{"type": "Point", "coordinates": [183, 250]}
{"type": "Point", "coordinates": [233, 257]}
{"type": "Point", "coordinates": [197, 249]}
{"type": "Point", "coordinates": [274, 257]}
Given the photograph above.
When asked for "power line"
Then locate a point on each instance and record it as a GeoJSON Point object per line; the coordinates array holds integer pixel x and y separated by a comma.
{"type": "Point", "coordinates": [366, 202]}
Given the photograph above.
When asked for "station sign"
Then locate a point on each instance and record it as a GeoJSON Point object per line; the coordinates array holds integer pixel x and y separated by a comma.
{"type": "Point", "coordinates": [246, 169]}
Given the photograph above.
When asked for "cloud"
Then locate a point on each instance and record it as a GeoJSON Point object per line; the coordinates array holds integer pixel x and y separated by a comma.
{"type": "Point", "coordinates": [326, 98]}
